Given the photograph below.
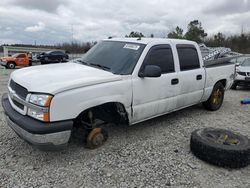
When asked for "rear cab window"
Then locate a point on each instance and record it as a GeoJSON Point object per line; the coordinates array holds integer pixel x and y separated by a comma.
{"type": "Point", "coordinates": [188, 57]}
{"type": "Point", "coordinates": [162, 56]}
{"type": "Point", "coordinates": [21, 56]}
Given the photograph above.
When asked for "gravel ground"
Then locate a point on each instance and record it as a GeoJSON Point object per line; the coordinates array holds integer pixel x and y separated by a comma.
{"type": "Point", "coordinates": [151, 154]}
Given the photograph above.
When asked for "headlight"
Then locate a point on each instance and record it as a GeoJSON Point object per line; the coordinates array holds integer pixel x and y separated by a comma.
{"type": "Point", "coordinates": [40, 100]}
{"type": "Point", "coordinates": [41, 110]}
{"type": "Point", "coordinates": [39, 114]}
{"type": "Point", "coordinates": [241, 73]}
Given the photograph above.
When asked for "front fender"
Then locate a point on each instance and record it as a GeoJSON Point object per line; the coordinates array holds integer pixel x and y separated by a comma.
{"type": "Point", "coordinates": [69, 104]}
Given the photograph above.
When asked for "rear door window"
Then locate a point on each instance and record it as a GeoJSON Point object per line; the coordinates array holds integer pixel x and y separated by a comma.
{"type": "Point", "coordinates": [188, 57]}
{"type": "Point", "coordinates": [21, 56]}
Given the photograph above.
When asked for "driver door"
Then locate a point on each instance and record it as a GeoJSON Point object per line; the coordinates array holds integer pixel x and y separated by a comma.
{"type": "Point", "coordinates": [20, 60]}
{"type": "Point", "coordinates": [156, 96]}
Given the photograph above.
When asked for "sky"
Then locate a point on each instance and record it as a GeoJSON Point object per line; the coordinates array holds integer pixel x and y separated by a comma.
{"type": "Point", "coordinates": [58, 21]}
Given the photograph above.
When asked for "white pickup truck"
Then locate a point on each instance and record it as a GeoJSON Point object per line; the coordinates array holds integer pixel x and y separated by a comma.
{"type": "Point", "coordinates": [117, 81]}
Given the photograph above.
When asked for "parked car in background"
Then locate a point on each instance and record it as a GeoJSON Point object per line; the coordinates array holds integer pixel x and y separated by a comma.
{"type": "Point", "coordinates": [240, 59]}
{"type": "Point", "coordinates": [53, 57]}
{"type": "Point", "coordinates": [21, 59]}
{"type": "Point", "coordinates": [242, 77]}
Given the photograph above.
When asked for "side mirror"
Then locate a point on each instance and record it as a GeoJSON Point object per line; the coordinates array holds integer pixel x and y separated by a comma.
{"type": "Point", "coordinates": [237, 64]}
{"type": "Point", "coordinates": [151, 71]}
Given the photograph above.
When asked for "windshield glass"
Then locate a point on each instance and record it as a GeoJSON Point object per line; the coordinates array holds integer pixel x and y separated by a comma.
{"type": "Point", "coordinates": [15, 55]}
{"type": "Point", "coordinates": [246, 63]}
{"type": "Point", "coordinates": [113, 56]}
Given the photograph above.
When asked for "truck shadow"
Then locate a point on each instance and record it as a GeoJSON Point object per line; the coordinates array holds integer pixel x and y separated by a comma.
{"type": "Point", "coordinates": [143, 130]}
{"type": "Point", "coordinates": [243, 88]}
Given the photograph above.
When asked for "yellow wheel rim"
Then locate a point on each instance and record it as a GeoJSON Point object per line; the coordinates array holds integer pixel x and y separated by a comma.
{"type": "Point", "coordinates": [217, 97]}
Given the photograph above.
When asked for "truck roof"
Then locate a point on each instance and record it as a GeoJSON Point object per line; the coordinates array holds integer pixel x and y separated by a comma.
{"type": "Point", "coordinates": [151, 40]}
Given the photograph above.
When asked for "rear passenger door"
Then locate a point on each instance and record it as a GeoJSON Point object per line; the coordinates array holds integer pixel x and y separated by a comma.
{"type": "Point", "coordinates": [191, 76]}
{"type": "Point", "coordinates": [155, 96]}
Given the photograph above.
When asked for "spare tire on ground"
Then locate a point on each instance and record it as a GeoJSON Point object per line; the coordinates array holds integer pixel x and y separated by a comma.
{"type": "Point", "coordinates": [221, 147]}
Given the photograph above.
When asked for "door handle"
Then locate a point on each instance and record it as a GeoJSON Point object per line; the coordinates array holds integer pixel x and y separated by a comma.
{"type": "Point", "coordinates": [199, 77]}
{"type": "Point", "coordinates": [175, 81]}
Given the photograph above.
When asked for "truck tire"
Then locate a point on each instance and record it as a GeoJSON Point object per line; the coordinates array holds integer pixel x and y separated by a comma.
{"type": "Point", "coordinates": [11, 65]}
{"type": "Point", "coordinates": [234, 86]}
{"type": "Point", "coordinates": [220, 147]}
{"type": "Point", "coordinates": [216, 99]}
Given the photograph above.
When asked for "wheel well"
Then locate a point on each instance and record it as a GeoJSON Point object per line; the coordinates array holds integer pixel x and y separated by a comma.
{"type": "Point", "coordinates": [11, 62]}
{"type": "Point", "coordinates": [224, 82]}
{"type": "Point", "coordinates": [112, 112]}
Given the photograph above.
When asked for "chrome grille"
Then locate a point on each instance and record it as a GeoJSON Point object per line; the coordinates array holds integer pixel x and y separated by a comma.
{"type": "Point", "coordinates": [19, 105]}
{"type": "Point", "coordinates": [19, 90]}
{"type": "Point", "coordinates": [242, 73]}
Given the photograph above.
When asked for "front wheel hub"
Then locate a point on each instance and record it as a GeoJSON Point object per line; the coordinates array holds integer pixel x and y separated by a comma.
{"type": "Point", "coordinates": [96, 138]}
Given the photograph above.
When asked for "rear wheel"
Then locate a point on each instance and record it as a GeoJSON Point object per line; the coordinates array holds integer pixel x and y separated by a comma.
{"type": "Point", "coordinates": [11, 65]}
{"type": "Point", "coordinates": [216, 99]}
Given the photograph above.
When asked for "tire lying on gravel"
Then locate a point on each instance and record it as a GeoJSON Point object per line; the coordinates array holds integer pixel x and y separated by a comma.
{"type": "Point", "coordinates": [221, 147]}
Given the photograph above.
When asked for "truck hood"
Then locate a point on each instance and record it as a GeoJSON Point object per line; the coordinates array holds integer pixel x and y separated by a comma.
{"type": "Point", "coordinates": [7, 58]}
{"type": "Point", "coordinates": [56, 78]}
{"type": "Point", "coordinates": [244, 69]}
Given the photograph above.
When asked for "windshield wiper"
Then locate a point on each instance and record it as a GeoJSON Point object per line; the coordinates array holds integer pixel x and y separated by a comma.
{"type": "Point", "coordinates": [82, 62]}
{"type": "Point", "coordinates": [103, 67]}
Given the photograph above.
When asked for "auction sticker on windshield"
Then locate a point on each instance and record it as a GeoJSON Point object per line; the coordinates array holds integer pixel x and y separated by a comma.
{"type": "Point", "coordinates": [131, 46]}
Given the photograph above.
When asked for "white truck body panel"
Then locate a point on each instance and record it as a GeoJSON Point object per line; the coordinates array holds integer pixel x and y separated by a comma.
{"type": "Point", "coordinates": [57, 78]}
{"type": "Point", "coordinates": [78, 87]}
{"type": "Point", "coordinates": [69, 104]}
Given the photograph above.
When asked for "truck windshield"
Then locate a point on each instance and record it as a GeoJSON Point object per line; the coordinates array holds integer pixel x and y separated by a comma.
{"type": "Point", "coordinates": [116, 57]}
{"type": "Point", "coordinates": [246, 63]}
{"type": "Point", "coordinates": [15, 55]}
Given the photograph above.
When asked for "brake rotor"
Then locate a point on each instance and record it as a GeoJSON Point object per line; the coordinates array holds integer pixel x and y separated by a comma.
{"type": "Point", "coordinates": [96, 138]}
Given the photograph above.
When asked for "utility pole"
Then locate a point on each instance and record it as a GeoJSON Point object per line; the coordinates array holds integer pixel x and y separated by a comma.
{"type": "Point", "coordinates": [72, 33]}
{"type": "Point", "coordinates": [242, 29]}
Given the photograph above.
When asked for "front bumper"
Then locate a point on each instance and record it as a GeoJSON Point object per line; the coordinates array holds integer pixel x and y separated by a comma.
{"type": "Point", "coordinates": [40, 134]}
{"type": "Point", "coordinates": [242, 80]}
{"type": "Point", "coordinates": [3, 63]}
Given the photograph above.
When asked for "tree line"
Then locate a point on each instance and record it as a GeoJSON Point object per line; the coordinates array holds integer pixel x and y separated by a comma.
{"type": "Point", "coordinates": [195, 32]}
